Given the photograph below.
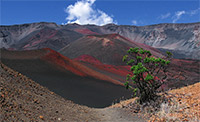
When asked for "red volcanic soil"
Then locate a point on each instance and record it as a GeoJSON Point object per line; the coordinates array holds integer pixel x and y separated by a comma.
{"type": "Point", "coordinates": [182, 61]}
{"type": "Point", "coordinates": [118, 70]}
{"type": "Point", "coordinates": [183, 72]}
{"type": "Point", "coordinates": [186, 66]}
{"type": "Point", "coordinates": [61, 61]}
{"type": "Point", "coordinates": [75, 67]}
{"type": "Point", "coordinates": [88, 58]}
{"type": "Point", "coordinates": [86, 31]}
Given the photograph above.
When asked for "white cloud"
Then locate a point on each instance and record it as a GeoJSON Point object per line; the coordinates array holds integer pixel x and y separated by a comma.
{"type": "Point", "coordinates": [83, 13]}
{"type": "Point", "coordinates": [134, 22]}
{"type": "Point", "coordinates": [178, 15]}
{"type": "Point", "coordinates": [164, 16]}
{"type": "Point", "coordinates": [193, 12]}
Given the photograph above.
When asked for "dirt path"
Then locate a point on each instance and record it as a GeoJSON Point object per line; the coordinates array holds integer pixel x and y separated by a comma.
{"type": "Point", "coordinates": [118, 115]}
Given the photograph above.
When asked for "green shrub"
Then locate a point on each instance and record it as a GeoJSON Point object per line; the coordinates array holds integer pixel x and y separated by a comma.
{"type": "Point", "coordinates": [148, 73]}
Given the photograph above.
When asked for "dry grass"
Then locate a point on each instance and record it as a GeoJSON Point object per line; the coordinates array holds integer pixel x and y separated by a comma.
{"type": "Point", "coordinates": [178, 105]}
{"type": "Point", "coordinates": [123, 103]}
{"type": "Point", "coordinates": [184, 105]}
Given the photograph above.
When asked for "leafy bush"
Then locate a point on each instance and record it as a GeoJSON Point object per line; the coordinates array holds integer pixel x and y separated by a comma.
{"type": "Point", "coordinates": [148, 73]}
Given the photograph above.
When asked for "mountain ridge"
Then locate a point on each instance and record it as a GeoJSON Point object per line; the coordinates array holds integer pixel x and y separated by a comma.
{"type": "Point", "coordinates": [43, 22]}
{"type": "Point", "coordinates": [182, 38]}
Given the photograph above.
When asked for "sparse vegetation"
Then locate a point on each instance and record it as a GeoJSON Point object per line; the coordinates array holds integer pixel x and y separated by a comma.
{"type": "Point", "coordinates": [183, 105]}
{"type": "Point", "coordinates": [179, 105]}
{"type": "Point", "coordinates": [148, 73]}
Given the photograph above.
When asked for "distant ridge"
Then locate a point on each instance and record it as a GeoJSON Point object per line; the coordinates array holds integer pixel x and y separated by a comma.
{"type": "Point", "coordinates": [183, 38]}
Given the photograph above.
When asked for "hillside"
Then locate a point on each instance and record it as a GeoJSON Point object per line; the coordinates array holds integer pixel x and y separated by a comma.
{"type": "Point", "coordinates": [69, 79]}
{"type": "Point", "coordinates": [109, 49]}
{"type": "Point", "coordinates": [48, 67]}
{"type": "Point", "coordinates": [22, 99]}
{"type": "Point", "coordinates": [182, 39]}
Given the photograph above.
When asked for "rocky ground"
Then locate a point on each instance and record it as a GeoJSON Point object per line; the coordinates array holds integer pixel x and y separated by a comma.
{"type": "Point", "coordinates": [22, 99]}
{"type": "Point", "coordinates": [177, 105]}
{"type": "Point", "coordinates": [184, 105]}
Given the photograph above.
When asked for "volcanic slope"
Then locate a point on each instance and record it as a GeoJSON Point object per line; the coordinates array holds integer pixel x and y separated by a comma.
{"type": "Point", "coordinates": [70, 79]}
{"type": "Point", "coordinates": [22, 99]}
{"type": "Point", "coordinates": [116, 72]}
{"type": "Point", "coordinates": [180, 72]}
{"type": "Point", "coordinates": [109, 49]}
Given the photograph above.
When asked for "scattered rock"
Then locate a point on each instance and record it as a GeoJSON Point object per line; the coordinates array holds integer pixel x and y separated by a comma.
{"type": "Point", "coordinates": [41, 117]}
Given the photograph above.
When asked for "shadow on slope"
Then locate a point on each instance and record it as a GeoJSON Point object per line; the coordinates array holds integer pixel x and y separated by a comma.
{"type": "Point", "coordinates": [84, 90]}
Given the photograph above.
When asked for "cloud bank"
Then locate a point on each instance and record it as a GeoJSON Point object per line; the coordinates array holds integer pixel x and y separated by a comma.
{"type": "Point", "coordinates": [82, 12]}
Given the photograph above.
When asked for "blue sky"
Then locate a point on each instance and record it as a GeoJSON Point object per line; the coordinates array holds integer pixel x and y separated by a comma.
{"type": "Point", "coordinates": [100, 12]}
